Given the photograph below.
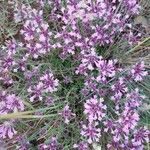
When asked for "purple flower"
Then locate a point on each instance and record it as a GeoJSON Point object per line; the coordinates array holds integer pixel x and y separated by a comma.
{"type": "Point", "coordinates": [132, 37]}
{"type": "Point", "coordinates": [36, 18]}
{"type": "Point", "coordinates": [90, 83]}
{"type": "Point", "coordinates": [36, 34]}
{"type": "Point", "coordinates": [21, 64]}
{"type": "Point", "coordinates": [82, 69]}
{"type": "Point", "coordinates": [90, 59]}
{"type": "Point", "coordinates": [36, 92]}
{"type": "Point", "coordinates": [33, 49]}
{"type": "Point", "coordinates": [138, 71]}
{"type": "Point", "coordinates": [8, 63]}
{"type": "Point", "coordinates": [129, 120]}
{"type": "Point", "coordinates": [3, 95]}
{"type": "Point", "coordinates": [101, 36]}
{"type": "Point", "coordinates": [81, 146]}
{"type": "Point", "coordinates": [7, 130]}
{"type": "Point", "coordinates": [67, 114]}
{"type": "Point", "coordinates": [94, 109]}
{"type": "Point", "coordinates": [10, 103]}
{"type": "Point", "coordinates": [106, 69]}
{"type": "Point", "coordinates": [128, 144]}
{"type": "Point", "coordinates": [91, 132]}
{"type": "Point", "coordinates": [134, 99]}
{"type": "Point", "coordinates": [81, 28]}
{"type": "Point", "coordinates": [119, 88]}
{"type": "Point", "coordinates": [85, 91]}
{"type": "Point", "coordinates": [109, 125]}
{"type": "Point", "coordinates": [28, 31]}
{"type": "Point", "coordinates": [49, 82]}
{"type": "Point", "coordinates": [33, 73]}
{"type": "Point", "coordinates": [118, 133]}
{"type": "Point", "coordinates": [14, 103]}
{"type": "Point", "coordinates": [52, 144]}
{"type": "Point", "coordinates": [21, 12]}
{"type": "Point", "coordinates": [5, 77]}
{"type": "Point", "coordinates": [102, 92]}
{"type": "Point", "coordinates": [11, 47]}
{"type": "Point", "coordinates": [132, 6]}
{"type": "Point", "coordinates": [141, 135]}
{"type": "Point", "coordinates": [114, 145]}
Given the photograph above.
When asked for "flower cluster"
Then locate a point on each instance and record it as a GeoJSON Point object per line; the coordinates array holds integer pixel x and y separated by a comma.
{"type": "Point", "coordinates": [138, 71]}
{"type": "Point", "coordinates": [127, 116]}
{"type": "Point", "coordinates": [91, 132]}
{"type": "Point", "coordinates": [10, 103]}
{"type": "Point", "coordinates": [81, 27]}
{"type": "Point", "coordinates": [97, 95]}
{"type": "Point", "coordinates": [94, 109]}
{"type": "Point", "coordinates": [7, 130]}
{"type": "Point", "coordinates": [36, 34]}
{"type": "Point", "coordinates": [50, 84]}
{"type": "Point", "coordinates": [47, 84]}
{"type": "Point", "coordinates": [119, 89]}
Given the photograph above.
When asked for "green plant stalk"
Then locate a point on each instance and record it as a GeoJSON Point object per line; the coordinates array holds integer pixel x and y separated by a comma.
{"type": "Point", "coordinates": [8, 116]}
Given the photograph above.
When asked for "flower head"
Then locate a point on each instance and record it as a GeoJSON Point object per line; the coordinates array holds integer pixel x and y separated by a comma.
{"type": "Point", "coordinates": [134, 99]}
{"type": "Point", "coordinates": [14, 103]}
{"type": "Point", "coordinates": [7, 63]}
{"type": "Point", "coordinates": [36, 92]}
{"type": "Point", "coordinates": [90, 59]}
{"type": "Point", "coordinates": [91, 132]}
{"type": "Point", "coordinates": [109, 125]}
{"type": "Point", "coordinates": [141, 135]}
{"type": "Point", "coordinates": [106, 69]}
{"type": "Point", "coordinates": [11, 46]}
{"type": "Point", "coordinates": [94, 109]}
{"type": "Point", "coordinates": [138, 71]}
{"type": "Point", "coordinates": [67, 114]}
{"type": "Point", "coordinates": [119, 88]}
{"type": "Point", "coordinates": [132, 6]}
{"type": "Point", "coordinates": [50, 84]}
{"type": "Point", "coordinates": [7, 130]}
{"type": "Point", "coordinates": [129, 120]}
